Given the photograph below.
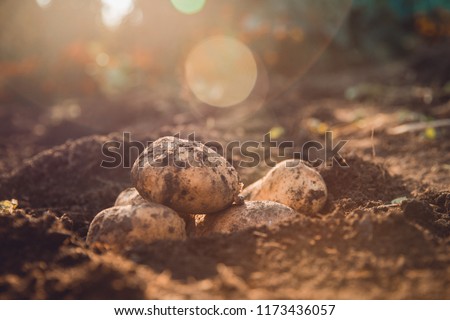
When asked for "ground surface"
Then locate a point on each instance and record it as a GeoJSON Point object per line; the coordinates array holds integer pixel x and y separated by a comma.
{"type": "Point", "coordinates": [359, 246]}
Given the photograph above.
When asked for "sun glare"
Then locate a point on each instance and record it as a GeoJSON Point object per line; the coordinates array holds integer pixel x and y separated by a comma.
{"type": "Point", "coordinates": [43, 3]}
{"type": "Point", "coordinates": [113, 11]}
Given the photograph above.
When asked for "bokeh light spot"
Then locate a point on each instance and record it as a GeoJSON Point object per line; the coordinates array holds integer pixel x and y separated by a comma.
{"type": "Point", "coordinates": [221, 71]}
{"type": "Point", "coordinates": [113, 11]}
{"type": "Point", "coordinates": [43, 3]}
{"type": "Point", "coordinates": [188, 6]}
{"type": "Point", "coordinates": [102, 59]}
{"type": "Point", "coordinates": [65, 110]}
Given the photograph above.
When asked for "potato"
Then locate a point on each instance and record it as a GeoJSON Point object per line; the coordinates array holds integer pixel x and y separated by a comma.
{"type": "Point", "coordinates": [125, 227]}
{"type": "Point", "coordinates": [241, 217]}
{"type": "Point", "coordinates": [129, 196]}
{"type": "Point", "coordinates": [292, 183]}
{"type": "Point", "coordinates": [186, 176]}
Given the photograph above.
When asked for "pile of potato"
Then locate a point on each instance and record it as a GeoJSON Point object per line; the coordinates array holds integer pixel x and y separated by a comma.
{"type": "Point", "coordinates": [179, 182]}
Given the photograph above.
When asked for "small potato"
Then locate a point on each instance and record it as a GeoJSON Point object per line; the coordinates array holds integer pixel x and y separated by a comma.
{"type": "Point", "coordinates": [126, 227]}
{"type": "Point", "coordinates": [241, 217]}
{"type": "Point", "coordinates": [186, 176]}
{"type": "Point", "coordinates": [292, 183]}
{"type": "Point", "coordinates": [129, 196]}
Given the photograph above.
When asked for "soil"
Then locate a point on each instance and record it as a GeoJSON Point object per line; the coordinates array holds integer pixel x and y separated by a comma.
{"type": "Point", "coordinates": [383, 234]}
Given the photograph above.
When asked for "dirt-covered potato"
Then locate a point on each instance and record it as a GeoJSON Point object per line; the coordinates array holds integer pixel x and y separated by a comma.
{"type": "Point", "coordinates": [126, 227]}
{"type": "Point", "coordinates": [292, 183]}
{"type": "Point", "coordinates": [186, 176]}
{"type": "Point", "coordinates": [241, 217]}
{"type": "Point", "coordinates": [129, 196]}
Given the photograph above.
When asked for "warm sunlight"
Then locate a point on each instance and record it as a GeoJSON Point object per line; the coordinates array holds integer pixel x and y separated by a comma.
{"type": "Point", "coordinates": [43, 3]}
{"type": "Point", "coordinates": [114, 11]}
{"type": "Point", "coordinates": [224, 150]}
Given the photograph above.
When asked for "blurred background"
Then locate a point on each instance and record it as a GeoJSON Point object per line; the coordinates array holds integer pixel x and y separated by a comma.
{"type": "Point", "coordinates": [64, 49]}
{"type": "Point", "coordinates": [70, 68]}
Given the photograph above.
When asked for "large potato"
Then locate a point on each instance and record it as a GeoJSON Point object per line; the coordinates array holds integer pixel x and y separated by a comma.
{"type": "Point", "coordinates": [126, 227]}
{"type": "Point", "coordinates": [129, 196]}
{"type": "Point", "coordinates": [241, 217]}
{"type": "Point", "coordinates": [292, 183]}
{"type": "Point", "coordinates": [186, 176]}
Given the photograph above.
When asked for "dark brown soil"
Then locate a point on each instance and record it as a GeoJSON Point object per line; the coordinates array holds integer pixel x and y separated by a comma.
{"type": "Point", "coordinates": [362, 245]}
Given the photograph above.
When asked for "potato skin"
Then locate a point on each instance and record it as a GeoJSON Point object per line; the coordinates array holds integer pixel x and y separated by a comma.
{"type": "Point", "coordinates": [125, 227]}
{"type": "Point", "coordinates": [129, 196]}
{"type": "Point", "coordinates": [242, 217]}
{"type": "Point", "coordinates": [291, 183]}
{"type": "Point", "coordinates": [186, 176]}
